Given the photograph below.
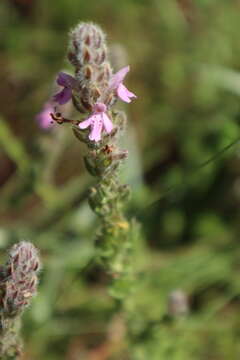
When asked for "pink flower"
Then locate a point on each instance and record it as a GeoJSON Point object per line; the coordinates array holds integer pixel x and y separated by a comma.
{"type": "Point", "coordinates": [44, 118]}
{"type": "Point", "coordinates": [116, 84]}
{"type": "Point", "coordinates": [97, 121]}
{"type": "Point", "coordinates": [68, 82]}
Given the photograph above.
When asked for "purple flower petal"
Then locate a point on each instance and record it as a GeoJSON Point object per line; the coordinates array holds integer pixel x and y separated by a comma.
{"type": "Point", "coordinates": [99, 107]}
{"type": "Point", "coordinates": [124, 94]}
{"type": "Point", "coordinates": [86, 123]}
{"type": "Point", "coordinates": [65, 80]}
{"type": "Point", "coordinates": [63, 96]}
{"type": "Point", "coordinates": [118, 77]}
{"type": "Point", "coordinates": [96, 128]}
{"type": "Point", "coordinates": [98, 121]}
{"type": "Point", "coordinates": [108, 125]}
{"type": "Point", "coordinates": [44, 118]}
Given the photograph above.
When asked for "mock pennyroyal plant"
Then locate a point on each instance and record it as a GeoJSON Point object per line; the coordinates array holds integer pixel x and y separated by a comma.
{"type": "Point", "coordinates": [94, 90]}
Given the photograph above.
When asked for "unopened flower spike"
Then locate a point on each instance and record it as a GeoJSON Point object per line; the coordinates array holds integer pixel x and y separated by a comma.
{"type": "Point", "coordinates": [23, 266]}
{"type": "Point", "coordinates": [18, 285]}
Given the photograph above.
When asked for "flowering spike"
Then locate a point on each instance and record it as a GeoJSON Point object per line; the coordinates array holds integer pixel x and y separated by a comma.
{"type": "Point", "coordinates": [94, 91]}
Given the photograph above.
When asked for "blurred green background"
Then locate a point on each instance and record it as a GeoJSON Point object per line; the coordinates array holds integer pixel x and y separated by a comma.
{"type": "Point", "coordinates": [185, 60]}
